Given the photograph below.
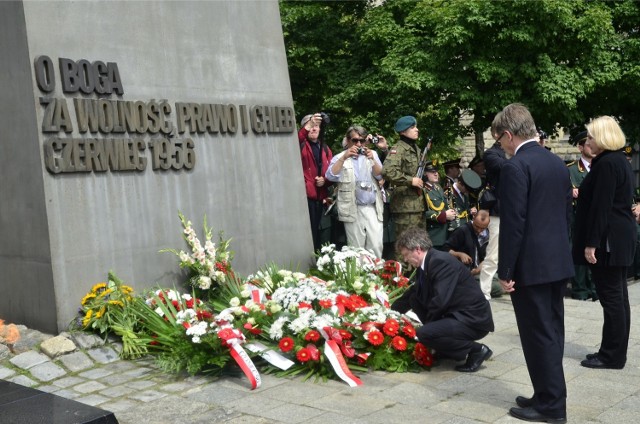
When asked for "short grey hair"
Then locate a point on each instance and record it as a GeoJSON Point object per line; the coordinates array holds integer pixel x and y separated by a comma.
{"type": "Point", "coordinates": [516, 119]}
{"type": "Point", "coordinates": [357, 129]}
{"type": "Point", "coordinates": [413, 238]}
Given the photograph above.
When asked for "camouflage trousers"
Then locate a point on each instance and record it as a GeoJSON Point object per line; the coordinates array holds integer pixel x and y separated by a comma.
{"type": "Point", "coordinates": [403, 221]}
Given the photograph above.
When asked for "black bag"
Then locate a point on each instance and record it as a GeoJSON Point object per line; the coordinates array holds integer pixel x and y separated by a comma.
{"type": "Point", "coordinates": [487, 198]}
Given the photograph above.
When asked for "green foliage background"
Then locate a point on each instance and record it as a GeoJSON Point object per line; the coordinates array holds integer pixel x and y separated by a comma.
{"type": "Point", "coordinates": [370, 62]}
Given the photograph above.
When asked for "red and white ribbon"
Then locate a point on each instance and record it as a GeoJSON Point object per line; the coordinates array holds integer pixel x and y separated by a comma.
{"type": "Point", "coordinates": [271, 356]}
{"type": "Point", "coordinates": [233, 338]}
{"type": "Point", "coordinates": [382, 298]}
{"type": "Point", "coordinates": [257, 294]}
{"type": "Point", "coordinates": [333, 354]}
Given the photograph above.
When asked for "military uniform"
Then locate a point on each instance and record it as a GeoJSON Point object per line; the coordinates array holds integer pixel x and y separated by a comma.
{"type": "Point", "coordinates": [407, 203]}
{"type": "Point", "coordinates": [460, 202]}
{"type": "Point", "coordinates": [581, 285]}
{"type": "Point", "coordinates": [436, 216]}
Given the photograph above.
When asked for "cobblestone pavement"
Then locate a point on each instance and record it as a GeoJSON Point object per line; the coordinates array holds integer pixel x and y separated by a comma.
{"type": "Point", "coordinates": [138, 392]}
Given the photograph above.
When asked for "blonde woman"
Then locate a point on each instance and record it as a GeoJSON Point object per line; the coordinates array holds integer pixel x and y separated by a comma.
{"type": "Point", "coordinates": [605, 237]}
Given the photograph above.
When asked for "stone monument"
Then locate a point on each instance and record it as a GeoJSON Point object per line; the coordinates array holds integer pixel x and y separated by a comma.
{"type": "Point", "coordinates": [114, 116]}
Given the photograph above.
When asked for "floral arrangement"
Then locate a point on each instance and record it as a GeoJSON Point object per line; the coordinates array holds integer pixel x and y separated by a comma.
{"type": "Point", "coordinates": [209, 265]}
{"type": "Point", "coordinates": [323, 325]}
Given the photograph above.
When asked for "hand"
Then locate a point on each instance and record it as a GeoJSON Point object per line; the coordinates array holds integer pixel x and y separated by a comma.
{"type": "Point", "coordinates": [319, 181]}
{"type": "Point", "coordinates": [451, 214]}
{"type": "Point", "coordinates": [507, 286]}
{"type": "Point", "coordinates": [475, 271]}
{"type": "Point", "coordinates": [417, 182]}
{"type": "Point", "coordinates": [382, 143]}
{"type": "Point", "coordinates": [575, 193]}
{"type": "Point", "coordinates": [590, 255]}
{"type": "Point", "coordinates": [464, 258]}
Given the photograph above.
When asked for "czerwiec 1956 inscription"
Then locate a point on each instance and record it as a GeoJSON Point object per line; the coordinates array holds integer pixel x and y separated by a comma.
{"type": "Point", "coordinates": [112, 131]}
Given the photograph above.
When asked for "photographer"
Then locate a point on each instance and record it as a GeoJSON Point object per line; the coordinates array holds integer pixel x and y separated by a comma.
{"type": "Point", "coordinates": [315, 155]}
{"type": "Point", "coordinates": [359, 202]}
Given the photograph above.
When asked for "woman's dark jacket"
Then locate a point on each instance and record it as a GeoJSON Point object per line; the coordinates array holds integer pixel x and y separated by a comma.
{"type": "Point", "coordinates": [603, 212]}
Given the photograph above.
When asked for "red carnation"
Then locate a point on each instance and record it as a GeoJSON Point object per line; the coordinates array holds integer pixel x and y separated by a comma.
{"type": "Point", "coordinates": [312, 336]}
{"type": "Point", "coordinates": [303, 355]}
{"type": "Point", "coordinates": [375, 337]}
{"type": "Point", "coordinates": [409, 331]}
{"type": "Point", "coordinates": [325, 303]}
{"type": "Point", "coordinates": [399, 343]}
{"type": "Point", "coordinates": [286, 344]}
{"type": "Point", "coordinates": [345, 335]}
{"type": "Point", "coordinates": [391, 327]}
{"type": "Point", "coordinates": [304, 305]}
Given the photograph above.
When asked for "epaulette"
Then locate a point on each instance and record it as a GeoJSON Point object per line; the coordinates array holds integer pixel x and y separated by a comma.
{"type": "Point", "coordinates": [571, 163]}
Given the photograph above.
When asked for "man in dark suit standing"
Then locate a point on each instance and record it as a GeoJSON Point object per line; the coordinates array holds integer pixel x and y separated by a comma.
{"type": "Point", "coordinates": [448, 301]}
{"type": "Point", "coordinates": [535, 258]}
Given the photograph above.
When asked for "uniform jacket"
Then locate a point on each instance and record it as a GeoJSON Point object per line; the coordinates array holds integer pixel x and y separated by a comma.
{"type": "Point", "coordinates": [603, 214]}
{"type": "Point", "coordinates": [535, 203]}
{"type": "Point", "coordinates": [346, 188]}
{"type": "Point", "coordinates": [310, 167]}
{"type": "Point", "coordinates": [436, 215]}
{"type": "Point", "coordinates": [400, 166]}
{"type": "Point", "coordinates": [577, 172]}
{"type": "Point", "coordinates": [446, 289]}
{"type": "Point", "coordinates": [461, 204]}
{"type": "Point", "coordinates": [494, 158]}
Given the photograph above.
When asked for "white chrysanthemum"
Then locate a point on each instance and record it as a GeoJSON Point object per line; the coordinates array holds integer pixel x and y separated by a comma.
{"type": "Point", "coordinates": [303, 321]}
{"type": "Point", "coordinates": [275, 331]}
{"type": "Point", "coordinates": [234, 301]}
{"type": "Point", "coordinates": [328, 248]}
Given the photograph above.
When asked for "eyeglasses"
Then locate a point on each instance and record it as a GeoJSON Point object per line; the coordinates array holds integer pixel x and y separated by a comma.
{"type": "Point", "coordinates": [358, 140]}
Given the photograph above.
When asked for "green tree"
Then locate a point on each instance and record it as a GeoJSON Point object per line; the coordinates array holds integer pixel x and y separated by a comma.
{"type": "Point", "coordinates": [443, 61]}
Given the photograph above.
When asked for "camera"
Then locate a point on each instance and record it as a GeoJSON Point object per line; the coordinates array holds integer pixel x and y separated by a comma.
{"type": "Point", "coordinates": [362, 151]}
{"type": "Point", "coordinates": [375, 139]}
{"type": "Point", "coordinates": [325, 119]}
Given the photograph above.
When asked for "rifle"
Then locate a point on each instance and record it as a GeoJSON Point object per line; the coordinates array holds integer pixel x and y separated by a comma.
{"type": "Point", "coordinates": [423, 162]}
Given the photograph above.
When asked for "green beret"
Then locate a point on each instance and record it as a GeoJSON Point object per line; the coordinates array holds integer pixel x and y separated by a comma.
{"type": "Point", "coordinates": [471, 179]}
{"type": "Point", "coordinates": [404, 123]}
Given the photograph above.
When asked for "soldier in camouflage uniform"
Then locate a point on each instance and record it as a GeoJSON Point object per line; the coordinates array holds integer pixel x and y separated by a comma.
{"type": "Point", "coordinates": [407, 203]}
{"type": "Point", "coordinates": [582, 287]}
{"type": "Point", "coordinates": [438, 213]}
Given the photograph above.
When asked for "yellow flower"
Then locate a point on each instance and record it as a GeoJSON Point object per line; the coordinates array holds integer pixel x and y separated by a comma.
{"type": "Point", "coordinates": [100, 313]}
{"type": "Point", "coordinates": [126, 289]}
{"type": "Point", "coordinates": [87, 298]}
{"type": "Point", "coordinates": [98, 286]}
{"type": "Point", "coordinates": [87, 318]}
{"type": "Point", "coordinates": [116, 302]}
{"type": "Point", "coordinates": [104, 293]}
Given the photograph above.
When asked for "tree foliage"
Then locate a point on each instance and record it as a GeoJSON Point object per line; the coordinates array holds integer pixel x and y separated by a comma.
{"type": "Point", "coordinates": [444, 61]}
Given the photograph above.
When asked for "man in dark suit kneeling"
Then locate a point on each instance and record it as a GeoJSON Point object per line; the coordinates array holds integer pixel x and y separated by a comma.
{"type": "Point", "coordinates": [448, 301]}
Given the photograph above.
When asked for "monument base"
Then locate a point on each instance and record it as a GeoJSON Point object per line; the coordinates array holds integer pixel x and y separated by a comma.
{"type": "Point", "coordinates": [24, 405]}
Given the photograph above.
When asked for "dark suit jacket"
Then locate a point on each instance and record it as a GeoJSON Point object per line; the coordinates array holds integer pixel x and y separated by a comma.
{"type": "Point", "coordinates": [446, 289]}
{"type": "Point", "coordinates": [465, 239]}
{"type": "Point", "coordinates": [494, 157]}
{"type": "Point", "coordinates": [603, 211]}
{"type": "Point", "coordinates": [535, 205]}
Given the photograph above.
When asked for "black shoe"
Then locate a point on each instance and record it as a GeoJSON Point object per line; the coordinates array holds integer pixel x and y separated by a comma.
{"type": "Point", "coordinates": [474, 360]}
{"type": "Point", "coordinates": [597, 363]}
{"type": "Point", "coordinates": [524, 402]}
{"type": "Point", "coordinates": [530, 414]}
{"type": "Point", "coordinates": [592, 355]}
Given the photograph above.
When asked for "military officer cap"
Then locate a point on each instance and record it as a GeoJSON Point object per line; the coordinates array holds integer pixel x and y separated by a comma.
{"type": "Point", "coordinates": [476, 160]}
{"type": "Point", "coordinates": [579, 138]}
{"type": "Point", "coordinates": [404, 123]}
{"type": "Point", "coordinates": [450, 163]}
{"type": "Point", "coordinates": [471, 179]}
{"type": "Point", "coordinates": [431, 166]}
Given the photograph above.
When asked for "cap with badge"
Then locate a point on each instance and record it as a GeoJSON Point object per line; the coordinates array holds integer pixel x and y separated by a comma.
{"type": "Point", "coordinates": [628, 150]}
{"type": "Point", "coordinates": [405, 123]}
{"type": "Point", "coordinates": [453, 162]}
{"type": "Point", "coordinates": [431, 166]}
{"type": "Point", "coordinates": [578, 139]}
{"type": "Point", "coordinates": [471, 179]}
